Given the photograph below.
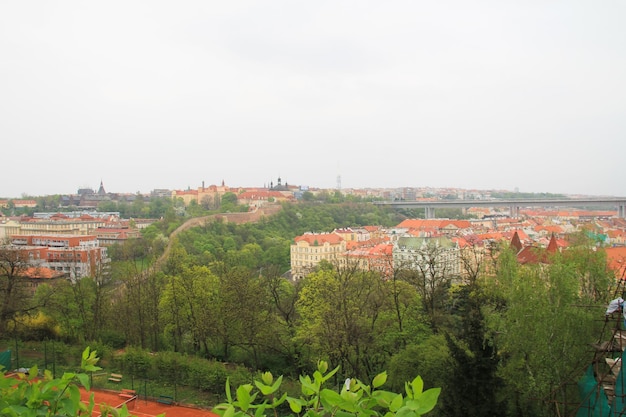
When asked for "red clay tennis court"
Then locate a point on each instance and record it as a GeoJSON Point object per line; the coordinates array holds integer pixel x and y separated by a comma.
{"type": "Point", "coordinates": [140, 407]}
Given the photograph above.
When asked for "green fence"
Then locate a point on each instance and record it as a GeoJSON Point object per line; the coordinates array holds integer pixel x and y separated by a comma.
{"type": "Point", "coordinates": [184, 379]}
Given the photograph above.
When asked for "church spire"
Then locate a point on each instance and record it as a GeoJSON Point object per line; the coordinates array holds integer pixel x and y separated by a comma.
{"type": "Point", "coordinates": [101, 189]}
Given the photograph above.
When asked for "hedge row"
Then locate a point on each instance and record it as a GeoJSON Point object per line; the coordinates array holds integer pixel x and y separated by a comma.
{"type": "Point", "coordinates": [178, 369]}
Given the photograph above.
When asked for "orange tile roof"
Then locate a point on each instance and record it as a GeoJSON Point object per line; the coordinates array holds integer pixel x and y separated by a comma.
{"type": "Point", "coordinates": [550, 229]}
{"type": "Point", "coordinates": [492, 236]}
{"type": "Point", "coordinates": [468, 241]}
{"type": "Point", "coordinates": [352, 244]}
{"type": "Point", "coordinates": [616, 260]}
{"type": "Point", "coordinates": [433, 224]}
{"type": "Point", "coordinates": [41, 272]}
{"type": "Point", "coordinates": [320, 238]}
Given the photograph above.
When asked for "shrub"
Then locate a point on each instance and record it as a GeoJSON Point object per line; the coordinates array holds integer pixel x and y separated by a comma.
{"type": "Point", "coordinates": [355, 398]}
{"type": "Point", "coordinates": [206, 375]}
{"type": "Point", "coordinates": [137, 361]}
{"type": "Point", "coordinates": [114, 339]}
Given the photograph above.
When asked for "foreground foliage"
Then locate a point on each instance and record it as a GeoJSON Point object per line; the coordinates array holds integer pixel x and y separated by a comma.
{"type": "Point", "coordinates": [355, 398]}
{"type": "Point", "coordinates": [28, 395]}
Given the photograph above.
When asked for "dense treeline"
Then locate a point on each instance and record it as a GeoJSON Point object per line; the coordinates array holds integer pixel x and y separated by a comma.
{"type": "Point", "coordinates": [498, 340]}
{"type": "Point", "coordinates": [153, 207]}
{"type": "Point", "coordinates": [140, 207]}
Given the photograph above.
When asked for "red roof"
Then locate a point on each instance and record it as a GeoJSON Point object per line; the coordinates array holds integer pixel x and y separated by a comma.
{"type": "Point", "coordinates": [41, 273]}
{"type": "Point", "coordinates": [516, 243]}
{"type": "Point", "coordinates": [433, 224]}
{"type": "Point", "coordinates": [553, 247]}
{"type": "Point", "coordinates": [616, 260]}
{"type": "Point", "coordinates": [319, 238]}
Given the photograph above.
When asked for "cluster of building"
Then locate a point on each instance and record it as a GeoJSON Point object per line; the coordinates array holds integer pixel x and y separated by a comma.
{"type": "Point", "coordinates": [207, 196]}
{"type": "Point", "coordinates": [72, 245]}
{"type": "Point", "coordinates": [210, 196]}
{"type": "Point", "coordinates": [85, 198]}
{"type": "Point", "coordinates": [441, 246]}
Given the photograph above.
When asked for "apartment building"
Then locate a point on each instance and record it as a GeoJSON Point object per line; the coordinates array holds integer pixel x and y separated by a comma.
{"type": "Point", "coordinates": [108, 236]}
{"type": "Point", "coordinates": [24, 203]}
{"type": "Point", "coordinates": [107, 227]}
{"type": "Point", "coordinates": [353, 235]}
{"type": "Point", "coordinates": [75, 255]}
{"type": "Point", "coordinates": [375, 257]}
{"type": "Point", "coordinates": [56, 224]}
{"type": "Point", "coordinates": [437, 256]}
{"type": "Point", "coordinates": [310, 249]}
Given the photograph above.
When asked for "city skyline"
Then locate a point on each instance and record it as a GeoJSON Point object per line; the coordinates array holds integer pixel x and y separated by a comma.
{"type": "Point", "coordinates": [301, 187]}
{"type": "Point", "coordinates": [155, 94]}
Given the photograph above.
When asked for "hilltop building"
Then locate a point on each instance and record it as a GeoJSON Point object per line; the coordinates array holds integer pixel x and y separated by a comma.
{"type": "Point", "coordinates": [210, 196]}
{"type": "Point", "coordinates": [207, 196]}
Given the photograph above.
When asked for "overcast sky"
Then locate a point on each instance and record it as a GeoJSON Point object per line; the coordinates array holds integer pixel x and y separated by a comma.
{"type": "Point", "coordinates": [167, 94]}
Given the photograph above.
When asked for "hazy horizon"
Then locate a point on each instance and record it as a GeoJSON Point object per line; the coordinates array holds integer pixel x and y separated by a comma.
{"type": "Point", "coordinates": [157, 94]}
{"type": "Point", "coordinates": [311, 186]}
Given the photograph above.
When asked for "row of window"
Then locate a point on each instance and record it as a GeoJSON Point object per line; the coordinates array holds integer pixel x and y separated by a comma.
{"type": "Point", "coordinates": [316, 250]}
{"type": "Point", "coordinates": [313, 257]}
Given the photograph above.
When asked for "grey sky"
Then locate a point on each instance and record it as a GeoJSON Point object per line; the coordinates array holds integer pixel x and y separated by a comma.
{"type": "Point", "coordinates": [471, 94]}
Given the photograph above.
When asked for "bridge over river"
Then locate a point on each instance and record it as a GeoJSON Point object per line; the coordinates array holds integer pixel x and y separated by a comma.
{"type": "Point", "coordinates": [514, 205]}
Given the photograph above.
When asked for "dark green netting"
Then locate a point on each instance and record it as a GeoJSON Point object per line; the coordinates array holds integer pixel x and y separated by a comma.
{"type": "Point", "coordinates": [617, 408]}
{"type": "Point", "coordinates": [5, 360]}
{"type": "Point", "coordinates": [593, 399]}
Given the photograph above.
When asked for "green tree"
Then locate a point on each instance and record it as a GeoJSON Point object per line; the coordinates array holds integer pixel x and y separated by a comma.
{"type": "Point", "coordinates": [229, 202]}
{"type": "Point", "coordinates": [14, 296]}
{"type": "Point", "coordinates": [282, 297]}
{"type": "Point", "coordinates": [339, 310]}
{"type": "Point", "coordinates": [540, 328]}
{"type": "Point", "coordinates": [244, 322]}
{"type": "Point", "coordinates": [308, 196]}
{"type": "Point", "coordinates": [431, 271]}
{"type": "Point", "coordinates": [189, 308]}
{"type": "Point", "coordinates": [430, 358]}
{"type": "Point", "coordinates": [61, 307]}
{"type": "Point", "coordinates": [473, 385]}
